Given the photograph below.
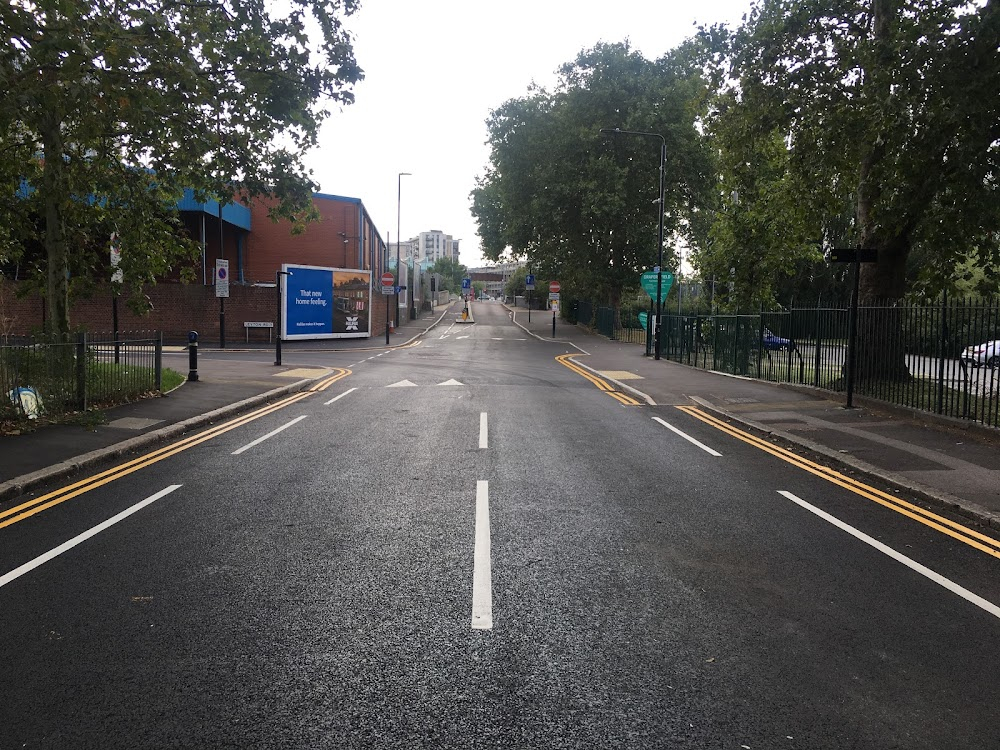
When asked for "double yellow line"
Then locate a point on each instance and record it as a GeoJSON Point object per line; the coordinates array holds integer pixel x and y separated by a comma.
{"type": "Point", "coordinates": [566, 359]}
{"type": "Point", "coordinates": [37, 505]}
{"type": "Point", "coordinates": [968, 536]}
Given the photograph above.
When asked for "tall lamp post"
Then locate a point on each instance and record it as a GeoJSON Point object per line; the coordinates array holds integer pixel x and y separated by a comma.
{"type": "Point", "coordinates": [277, 339]}
{"type": "Point", "coordinates": [659, 243]}
{"type": "Point", "coordinates": [399, 196]}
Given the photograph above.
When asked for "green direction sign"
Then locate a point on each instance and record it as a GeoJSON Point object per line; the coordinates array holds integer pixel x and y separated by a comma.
{"type": "Point", "coordinates": [644, 318]}
{"type": "Point", "coordinates": [649, 284]}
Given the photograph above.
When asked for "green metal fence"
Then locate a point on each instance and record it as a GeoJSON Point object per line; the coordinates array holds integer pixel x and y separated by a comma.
{"type": "Point", "coordinates": [911, 355]}
{"type": "Point", "coordinates": [40, 376]}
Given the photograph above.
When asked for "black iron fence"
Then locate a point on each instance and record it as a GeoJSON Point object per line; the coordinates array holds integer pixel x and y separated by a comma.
{"type": "Point", "coordinates": [41, 376]}
{"type": "Point", "coordinates": [942, 358]}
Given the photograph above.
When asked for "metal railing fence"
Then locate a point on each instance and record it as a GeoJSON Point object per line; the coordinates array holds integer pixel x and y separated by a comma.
{"type": "Point", "coordinates": [40, 375]}
{"type": "Point", "coordinates": [907, 354]}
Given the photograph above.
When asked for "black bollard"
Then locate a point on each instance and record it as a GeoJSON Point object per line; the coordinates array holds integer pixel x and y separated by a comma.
{"type": "Point", "coordinates": [192, 356]}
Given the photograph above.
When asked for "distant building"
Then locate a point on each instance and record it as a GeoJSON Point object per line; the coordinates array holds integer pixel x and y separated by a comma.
{"type": "Point", "coordinates": [426, 248]}
{"type": "Point", "coordinates": [495, 278]}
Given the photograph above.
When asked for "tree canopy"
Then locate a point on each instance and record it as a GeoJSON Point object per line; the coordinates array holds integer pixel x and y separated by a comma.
{"type": "Point", "coordinates": [452, 272]}
{"type": "Point", "coordinates": [860, 123]}
{"type": "Point", "coordinates": [578, 205]}
{"type": "Point", "coordinates": [112, 109]}
{"type": "Point", "coordinates": [810, 126]}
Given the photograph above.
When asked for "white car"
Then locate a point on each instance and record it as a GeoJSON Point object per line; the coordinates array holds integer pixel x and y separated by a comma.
{"type": "Point", "coordinates": [983, 354]}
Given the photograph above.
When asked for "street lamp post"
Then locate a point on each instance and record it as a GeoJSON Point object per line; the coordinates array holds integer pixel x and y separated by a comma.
{"type": "Point", "coordinates": [659, 243]}
{"type": "Point", "coordinates": [399, 196]}
{"type": "Point", "coordinates": [277, 339]}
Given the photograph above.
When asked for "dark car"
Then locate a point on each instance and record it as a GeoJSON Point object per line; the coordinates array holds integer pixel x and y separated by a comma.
{"type": "Point", "coordinates": [773, 343]}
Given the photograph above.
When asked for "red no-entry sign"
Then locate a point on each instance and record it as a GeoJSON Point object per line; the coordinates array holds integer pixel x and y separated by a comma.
{"type": "Point", "coordinates": [554, 287]}
{"type": "Point", "coordinates": [388, 279]}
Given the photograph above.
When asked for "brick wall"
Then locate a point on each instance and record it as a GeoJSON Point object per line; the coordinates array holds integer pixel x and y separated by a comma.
{"type": "Point", "coordinates": [344, 237]}
{"type": "Point", "coordinates": [177, 309]}
{"type": "Point", "coordinates": [321, 244]}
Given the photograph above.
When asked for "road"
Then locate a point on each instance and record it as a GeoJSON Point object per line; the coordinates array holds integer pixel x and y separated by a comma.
{"type": "Point", "coordinates": [473, 543]}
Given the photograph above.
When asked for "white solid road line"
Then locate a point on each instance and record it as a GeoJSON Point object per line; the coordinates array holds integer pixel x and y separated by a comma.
{"type": "Point", "coordinates": [482, 577]}
{"type": "Point", "coordinates": [898, 557]}
{"type": "Point", "coordinates": [55, 552]}
{"type": "Point", "coordinates": [483, 433]}
{"type": "Point", "coordinates": [688, 437]}
{"type": "Point", "coordinates": [337, 398]}
{"type": "Point", "coordinates": [271, 434]}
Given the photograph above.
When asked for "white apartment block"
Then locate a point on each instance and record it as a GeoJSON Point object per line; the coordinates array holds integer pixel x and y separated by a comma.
{"type": "Point", "coordinates": [427, 248]}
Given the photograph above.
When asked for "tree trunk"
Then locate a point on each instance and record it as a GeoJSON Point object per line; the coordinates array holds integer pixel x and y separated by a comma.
{"type": "Point", "coordinates": [55, 194]}
{"type": "Point", "coordinates": [880, 350]}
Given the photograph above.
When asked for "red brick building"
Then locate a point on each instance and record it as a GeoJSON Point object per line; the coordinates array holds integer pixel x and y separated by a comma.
{"type": "Point", "coordinates": [256, 247]}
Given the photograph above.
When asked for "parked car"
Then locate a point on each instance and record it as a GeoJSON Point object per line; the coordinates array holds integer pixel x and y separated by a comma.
{"type": "Point", "coordinates": [987, 354]}
{"type": "Point", "coordinates": [774, 343]}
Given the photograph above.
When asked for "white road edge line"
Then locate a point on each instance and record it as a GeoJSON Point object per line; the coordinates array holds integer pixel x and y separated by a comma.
{"type": "Point", "coordinates": [482, 583]}
{"type": "Point", "coordinates": [688, 437]}
{"type": "Point", "coordinates": [337, 398]}
{"type": "Point", "coordinates": [271, 434]}
{"type": "Point", "coordinates": [79, 539]}
{"type": "Point", "coordinates": [898, 557]}
{"type": "Point", "coordinates": [483, 432]}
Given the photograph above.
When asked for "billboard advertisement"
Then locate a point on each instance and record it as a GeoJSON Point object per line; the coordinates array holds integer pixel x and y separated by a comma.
{"type": "Point", "coordinates": [325, 303]}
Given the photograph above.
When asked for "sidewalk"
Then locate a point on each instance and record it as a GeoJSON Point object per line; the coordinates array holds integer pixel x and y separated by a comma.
{"type": "Point", "coordinates": [228, 383]}
{"type": "Point", "coordinates": [942, 460]}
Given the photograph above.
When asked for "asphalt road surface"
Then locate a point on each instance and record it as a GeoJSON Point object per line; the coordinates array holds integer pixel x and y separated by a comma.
{"type": "Point", "coordinates": [471, 543]}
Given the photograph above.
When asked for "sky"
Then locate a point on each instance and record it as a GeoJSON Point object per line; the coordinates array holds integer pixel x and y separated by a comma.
{"type": "Point", "coordinates": [434, 69]}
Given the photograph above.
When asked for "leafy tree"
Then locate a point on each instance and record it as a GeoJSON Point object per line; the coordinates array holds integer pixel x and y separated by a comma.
{"type": "Point", "coordinates": [113, 108]}
{"type": "Point", "coordinates": [865, 123]}
{"type": "Point", "coordinates": [582, 207]}
{"type": "Point", "coordinates": [452, 272]}
{"type": "Point", "coordinates": [515, 286]}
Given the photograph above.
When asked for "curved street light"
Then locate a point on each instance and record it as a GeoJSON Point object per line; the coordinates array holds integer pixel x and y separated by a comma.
{"type": "Point", "coordinates": [399, 196]}
{"type": "Point", "coordinates": [659, 244]}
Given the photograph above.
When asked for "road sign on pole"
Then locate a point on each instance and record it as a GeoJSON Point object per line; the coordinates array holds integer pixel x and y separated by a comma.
{"type": "Point", "coordinates": [221, 278]}
{"type": "Point", "coordinates": [388, 283]}
{"type": "Point", "coordinates": [529, 281]}
{"type": "Point", "coordinates": [554, 287]}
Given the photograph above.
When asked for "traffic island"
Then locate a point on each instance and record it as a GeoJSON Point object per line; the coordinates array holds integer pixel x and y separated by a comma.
{"type": "Point", "coordinates": [466, 315]}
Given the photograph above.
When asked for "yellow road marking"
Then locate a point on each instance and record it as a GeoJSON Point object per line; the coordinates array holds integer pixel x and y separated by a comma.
{"type": "Point", "coordinates": [968, 536]}
{"type": "Point", "coordinates": [567, 361]}
{"type": "Point", "coordinates": [51, 499]}
{"type": "Point", "coordinates": [621, 375]}
{"type": "Point", "coordinates": [322, 385]}
{"type": "Point", "coordinates": [303, 372]}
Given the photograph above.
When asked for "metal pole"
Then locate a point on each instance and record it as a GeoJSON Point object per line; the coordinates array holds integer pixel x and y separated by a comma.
{"type": "Point", "coordinates": [158, 361]}
{"type": "Point", "coordinates": [114, 321]}
{"type": "Point", "coordinates": [399, 196]}
{"type": "Point", "coordinates": [942, 352]}
{"type": "Point", "coordinates": [659, 248]}
{"type": "Point", "coordinates": [277, 338]}
{"type": "Point", "coordinates": [657, 329]}
{"type": "Point", "coordinates": [852, 336]}
{"type": "Point", "coordinates": [222, 300]}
